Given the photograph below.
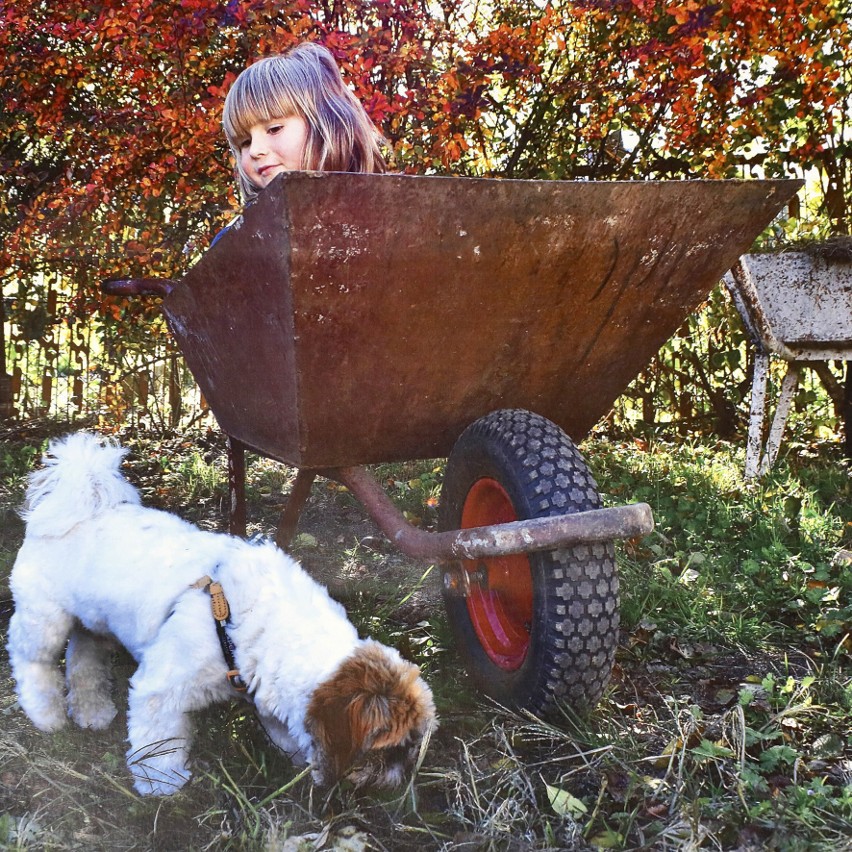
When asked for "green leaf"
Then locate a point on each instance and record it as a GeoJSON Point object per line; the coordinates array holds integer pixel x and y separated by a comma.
{"type": "Point", "coordinates": [712, 751]}
{"type": "Point", "coordinates": [776, 756]}
{"type": "Point", "coordinates": [564, 804]}
{"type": "Point", "coordinates": [607, 839]}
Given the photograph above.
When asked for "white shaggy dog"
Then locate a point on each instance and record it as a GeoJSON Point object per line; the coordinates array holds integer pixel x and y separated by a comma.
{"type": "Point", "coordinates": [95, 563]}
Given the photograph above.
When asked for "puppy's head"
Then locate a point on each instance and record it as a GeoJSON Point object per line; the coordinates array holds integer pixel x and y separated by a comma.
{"type": "Point", "coordinates": [369, 719]}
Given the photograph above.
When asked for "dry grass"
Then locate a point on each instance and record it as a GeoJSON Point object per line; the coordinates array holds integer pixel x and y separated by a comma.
{"type": "Point", "coordinates": [702, 742]}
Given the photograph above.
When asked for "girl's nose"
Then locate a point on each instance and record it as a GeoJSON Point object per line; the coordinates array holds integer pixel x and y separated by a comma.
{"type": "Point", "coordinates": [257, 148]}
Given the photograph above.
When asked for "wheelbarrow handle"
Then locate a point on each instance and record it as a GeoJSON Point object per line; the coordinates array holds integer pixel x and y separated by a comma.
{"type": "Point", "coordinates": [138, 286]}
{"type": "Point", "coordinates": [526, 536]}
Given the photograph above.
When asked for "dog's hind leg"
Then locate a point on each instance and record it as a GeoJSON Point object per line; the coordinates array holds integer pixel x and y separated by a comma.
{"type": "Point", "coordinates": [37, 638]}
{"type": "Point", "coordinates": [88, 673]}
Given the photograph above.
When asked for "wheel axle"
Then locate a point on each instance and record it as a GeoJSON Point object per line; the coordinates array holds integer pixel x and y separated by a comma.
{"type": "Point", "coordinates": [458, 581]}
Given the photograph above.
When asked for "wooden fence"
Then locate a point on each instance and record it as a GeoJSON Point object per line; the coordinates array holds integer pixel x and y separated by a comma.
{"type": "Point", "coordinates": [77, 370]}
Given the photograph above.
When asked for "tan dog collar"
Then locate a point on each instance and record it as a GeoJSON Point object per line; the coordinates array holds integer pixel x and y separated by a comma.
{"type": "Point", "coordinates": [222, 616]}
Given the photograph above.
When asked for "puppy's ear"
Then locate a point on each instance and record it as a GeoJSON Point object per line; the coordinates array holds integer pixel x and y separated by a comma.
{"type": "Point", "coordinates": [375, 700]}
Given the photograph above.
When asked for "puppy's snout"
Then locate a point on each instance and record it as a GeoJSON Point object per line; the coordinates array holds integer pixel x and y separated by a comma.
{"type": "Point", "coordinates": [386, 768]}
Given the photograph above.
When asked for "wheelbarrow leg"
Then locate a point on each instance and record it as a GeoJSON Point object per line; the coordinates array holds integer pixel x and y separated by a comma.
{"type": "Point", "coordinates": [847, 410]}
{"type": "Point", "coordinates": [757, 414]}
{"type": "Point", "coordinates": [782, 410]}
{"type": "Point", "coordinates": [299, 494]}
{"type": "Point", "coordinates": [760, 458]}
{"type": "Point", "coordinates": [236, 487]}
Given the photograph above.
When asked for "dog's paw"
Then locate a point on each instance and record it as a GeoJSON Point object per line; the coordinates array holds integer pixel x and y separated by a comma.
{"type": "Point", "coordinates": [158, 771]}
{"type": "Point", "coordinates": [155, 781]}
{"type": "Point", "coordinates": [91, 708]}
{"type": "Point", "coordinates": [49, 722]}
{"type": "Point", "coordinates": [146, 786]}
{"type": "Point", "coordinates": [95, 716]}
{"type": "Point", "coordinates": [41, 695]}
{"type": "Point", "coordinates": [46, 716]}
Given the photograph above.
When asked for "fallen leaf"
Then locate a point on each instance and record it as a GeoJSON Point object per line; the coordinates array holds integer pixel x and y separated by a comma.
{"type": "Point", "coordinates": [607, 839]}
{"type": "Point", "coordinates": [827, 746]}
{"type": "Point", "coordinates": [564, 804]}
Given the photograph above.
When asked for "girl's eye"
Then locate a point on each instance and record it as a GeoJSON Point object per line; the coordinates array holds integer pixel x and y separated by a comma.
{"type": "Point", "coordinates": [273, 129]}
{"type": "Point", "coordinates": [245, 143]}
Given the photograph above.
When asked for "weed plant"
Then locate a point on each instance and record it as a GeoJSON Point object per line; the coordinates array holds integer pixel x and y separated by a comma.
{"type": "Point", "coordinates": [726, 725]}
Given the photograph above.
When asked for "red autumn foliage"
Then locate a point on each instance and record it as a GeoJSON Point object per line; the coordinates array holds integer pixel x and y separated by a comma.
{"type": "Point", "coordinates": [113, 160]}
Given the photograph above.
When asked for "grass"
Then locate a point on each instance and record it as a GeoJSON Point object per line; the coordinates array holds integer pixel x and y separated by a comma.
{"type": "Point", "coordinates": [728, 723]}
{"type": "Point", "coordinates": [748, 562]}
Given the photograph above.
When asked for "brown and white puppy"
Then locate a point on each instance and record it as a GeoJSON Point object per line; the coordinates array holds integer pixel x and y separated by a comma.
{"type": "Point", "coordinates": [96, 563]}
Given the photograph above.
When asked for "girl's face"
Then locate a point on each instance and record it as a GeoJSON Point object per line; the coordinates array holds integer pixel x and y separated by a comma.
{"type": "Point", "coordinates": [272, 147]}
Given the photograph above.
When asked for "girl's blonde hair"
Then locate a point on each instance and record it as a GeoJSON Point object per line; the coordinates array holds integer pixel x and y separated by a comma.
{"type": "Point", "coordinates": [303, 81]}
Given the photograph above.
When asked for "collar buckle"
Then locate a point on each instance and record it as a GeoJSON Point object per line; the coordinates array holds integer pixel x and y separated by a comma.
{"type": "Point", "coordinates": [236, 680]}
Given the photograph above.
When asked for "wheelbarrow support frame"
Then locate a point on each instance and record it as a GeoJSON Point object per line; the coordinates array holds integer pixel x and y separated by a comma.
{"type": "Point", "coordinates": [527, 536]}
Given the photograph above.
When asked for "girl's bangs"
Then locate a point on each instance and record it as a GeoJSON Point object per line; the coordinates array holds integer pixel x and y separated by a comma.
{"type": "Point", "coordinates": [257, 100]}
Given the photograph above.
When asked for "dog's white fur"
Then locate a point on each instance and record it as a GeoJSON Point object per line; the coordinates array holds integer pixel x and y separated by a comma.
{"type": "Point", "coordinates": [95, 564]}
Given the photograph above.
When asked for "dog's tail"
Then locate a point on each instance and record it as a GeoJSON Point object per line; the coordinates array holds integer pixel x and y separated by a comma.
{"type": "Point", "coordinates": [80, 478]}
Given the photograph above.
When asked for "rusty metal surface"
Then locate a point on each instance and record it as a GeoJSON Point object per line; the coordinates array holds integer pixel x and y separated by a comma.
{"type": "Point", "coordinates": [524, 536]}
{"type": "Point", "coordinates": [353, 319]}
{"type": "Point", "coordinates": [795, 305]}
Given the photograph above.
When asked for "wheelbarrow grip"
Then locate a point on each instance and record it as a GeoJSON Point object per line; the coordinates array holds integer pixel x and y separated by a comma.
{"type": "Point", "coordinates": [138, 286]}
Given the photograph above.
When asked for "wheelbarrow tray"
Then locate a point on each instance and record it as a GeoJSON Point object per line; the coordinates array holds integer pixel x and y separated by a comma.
{"type": "Point", "coordinates": [795, 304]}
{"type": "Point", "coordinates": [351, 319]}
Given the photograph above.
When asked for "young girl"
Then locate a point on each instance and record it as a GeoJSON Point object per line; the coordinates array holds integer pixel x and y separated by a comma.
{"type": "Point", "coordinates": [294, 112]}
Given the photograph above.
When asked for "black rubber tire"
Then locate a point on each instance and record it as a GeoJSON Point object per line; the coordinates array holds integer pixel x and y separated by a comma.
{"type": "Point", "coordinates": [574, 629]}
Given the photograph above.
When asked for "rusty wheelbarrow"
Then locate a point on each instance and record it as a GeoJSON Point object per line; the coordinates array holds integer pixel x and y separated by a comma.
{"type": "Point", "coordinates": [345, 320]}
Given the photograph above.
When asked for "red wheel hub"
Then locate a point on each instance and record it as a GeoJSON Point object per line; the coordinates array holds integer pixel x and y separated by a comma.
{"type": "Point", "coordinates": [500, 604]}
